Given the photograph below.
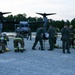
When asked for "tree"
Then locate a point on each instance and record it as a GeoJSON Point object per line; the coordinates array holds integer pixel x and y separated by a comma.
{"type": "Point", "coordinates": [73, 22]}
{"type": "Point", "coordinates": [20, 17]}
{"type": "Point", "coordinates": [68, 22]}
{"type": "Point", "coordinates": [23, 17]}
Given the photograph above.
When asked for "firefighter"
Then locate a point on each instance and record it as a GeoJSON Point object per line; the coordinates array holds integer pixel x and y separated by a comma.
{"type": "Point", "coordinates": [55, 38]}
{"type": "Point", "coordinates": [18, 29]}
{"type": "Point", "coordinates": [6, 40]}
{"type": "Point", "coordinates": [2, 44]}
{"type": "Point", "coordinates": [18, 40]}
{"type": "Point", "coordinates": [72, 36]}
{"type": "Point", "coordinates": [29, 34]}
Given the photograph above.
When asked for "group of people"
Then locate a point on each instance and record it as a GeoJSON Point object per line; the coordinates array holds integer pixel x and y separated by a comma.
{"type": "Point", "coordinates": [40, 36]}
{"type": "Point", "coordinates": [67, 38]}
{"type": "Point", "coordinates": [16, 41]}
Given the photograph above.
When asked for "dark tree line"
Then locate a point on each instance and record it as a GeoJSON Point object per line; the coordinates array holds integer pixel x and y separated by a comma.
{"type": "Point", "coordinates": [23, 17]}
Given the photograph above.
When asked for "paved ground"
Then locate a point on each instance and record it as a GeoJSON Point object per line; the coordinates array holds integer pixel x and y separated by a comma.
{"type": "Point", "coordinates": [37, 62]}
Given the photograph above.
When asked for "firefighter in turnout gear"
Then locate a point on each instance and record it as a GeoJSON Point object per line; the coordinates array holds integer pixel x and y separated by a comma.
{"type": "Point", "coordinates": [2, 44]}
{"type": "Point", "coordinates": [55, 38]}
{"type": "Point", "coordinates": [72, 36]}
{"type": "Point", "coordinates": [29, 34]}
{"type": "Point", "coordinates": [6, 40]}
{"type": "Point", "coordinates": [18, 41]}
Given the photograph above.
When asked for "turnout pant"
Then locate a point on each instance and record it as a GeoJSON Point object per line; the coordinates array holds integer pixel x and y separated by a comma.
{"type": "Point", "coordinates": [3, 46]}
{"type": "Point", "coordinates": [16, 43]}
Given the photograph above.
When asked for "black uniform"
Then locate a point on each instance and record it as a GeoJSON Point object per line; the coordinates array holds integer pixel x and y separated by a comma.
{"type": "Point", "coordinates": [66, 34]}
{"type": "Point", "coordinates": [38, 37]}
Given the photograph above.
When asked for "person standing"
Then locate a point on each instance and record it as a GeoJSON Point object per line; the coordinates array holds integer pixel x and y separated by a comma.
{"type": "Point", "coordinates": [29, 34]}
{"type": "Point", "coordinates": [66, 34]}
{"type": "Point", "coordinates": [51, 32]}
{"type": "Point", "coordinates": [39, 35]}
{"type": "Point", "coordinates": [72, 36]}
